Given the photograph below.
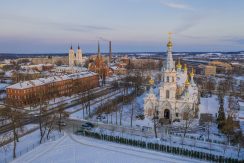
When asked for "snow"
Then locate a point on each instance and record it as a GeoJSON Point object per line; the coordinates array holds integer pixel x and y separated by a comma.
{"type": "Point", "coordinates": [211, 105]}
{"type": "Point", "coordinates": [239, 78]}
{"type": "Point", "coordinates": [3, 86]}
{"type": "Point", "coordinates": [25, 144]}
{"type": "Point", "coordinates": [72, 148]}
{"type": "Point", "coordinates": [43, 81]}
{"type": "Point", "coordinates": [8, 74]}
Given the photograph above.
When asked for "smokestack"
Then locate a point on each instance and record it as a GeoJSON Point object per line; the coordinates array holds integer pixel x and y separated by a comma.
{"type": "Point", "coordinates": [110, 51]}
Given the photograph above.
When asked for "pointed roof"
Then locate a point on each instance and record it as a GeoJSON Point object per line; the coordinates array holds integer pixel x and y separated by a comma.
{"type": "Point", "coordinates": [187, 83]}
{"type": "Point", "coordinates": [71, 47]}
{"type": "Point", "coordinates": [78, 46]}
{"type": "Point", "coordinates": [179, 66]}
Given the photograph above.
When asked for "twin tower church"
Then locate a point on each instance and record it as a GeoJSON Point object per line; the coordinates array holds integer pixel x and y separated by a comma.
{"type": "Point", "coordinates": [178, 97]}
{"type": "Point", "coordinates": [75, 59]}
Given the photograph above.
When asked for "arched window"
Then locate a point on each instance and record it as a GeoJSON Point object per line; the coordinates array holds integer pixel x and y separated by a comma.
{"type": "Point", "coordinates": [167, 93]}
{"type": "Point", "coordinates": [167, 79]}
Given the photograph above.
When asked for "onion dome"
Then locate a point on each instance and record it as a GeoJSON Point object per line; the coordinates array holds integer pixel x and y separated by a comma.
{"type": "Point", "coordinates": [151, 81]}
{"type": "Point", "coordinates": [192, 73]}
{"type": "Point", "coordinates": [185, 68]}
{"type": "Point", "coordinates": [170, 44]}
{"type": "Point", "coordinates": [187, 83]}
{"type": "Point", "coordinates": [178, 66]}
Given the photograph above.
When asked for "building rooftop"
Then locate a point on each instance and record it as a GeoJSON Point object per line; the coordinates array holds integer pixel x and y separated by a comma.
{"type": "Point", "coordinates": [43, 81]}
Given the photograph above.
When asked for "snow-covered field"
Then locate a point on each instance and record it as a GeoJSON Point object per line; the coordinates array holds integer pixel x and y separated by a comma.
{"type": "Point", "coordinates": [72, 148]}
{"type": "Point", "coordinates": [26, 143]}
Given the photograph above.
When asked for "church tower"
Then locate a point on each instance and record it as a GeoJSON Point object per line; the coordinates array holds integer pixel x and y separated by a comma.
{"type": "Point", "coordinates": [168, 87]}
{"type": "Point", "coordinates": [79, 56]}
{"type": "Point", "coordinates": [71, 57]}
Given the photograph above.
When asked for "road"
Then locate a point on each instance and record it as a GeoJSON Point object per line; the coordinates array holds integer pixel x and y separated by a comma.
{"type": "Point", "coordinates": [73, 125]}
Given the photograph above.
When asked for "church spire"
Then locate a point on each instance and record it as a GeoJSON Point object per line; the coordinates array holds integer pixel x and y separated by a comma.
{"type": "Point", "coordinates": [78, 46]}
{"type": "Point", "coordinates": [179, 66]}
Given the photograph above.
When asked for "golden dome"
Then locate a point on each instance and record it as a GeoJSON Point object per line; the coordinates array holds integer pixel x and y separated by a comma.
{"type": "Point", "coordinates": [151, 81]}
{"type": "Point", "coordinates": [178, 66]}
{"type": "Point", "coordinates": [170, 44]}
{"type": "Point", "coordinates": [192, 72]}
{"type": "Point", "coordinates": [185, 67]}
{"type": "Point", "coordinates": [187, 83]}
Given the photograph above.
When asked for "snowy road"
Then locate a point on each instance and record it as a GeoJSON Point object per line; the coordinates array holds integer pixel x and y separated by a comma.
{"type": "Point", "coordinates": [72, 148]}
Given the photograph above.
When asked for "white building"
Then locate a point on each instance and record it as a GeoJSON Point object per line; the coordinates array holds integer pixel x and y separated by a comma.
{"type": "Point", "coordinates": [75, 59]}
{"type": "Point", "coordinates": [69, 70]}
{"type": "Point", "coordinates": [177, 96]}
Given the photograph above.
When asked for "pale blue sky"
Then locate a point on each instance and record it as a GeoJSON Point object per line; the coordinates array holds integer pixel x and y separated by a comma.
{"type": "Point", "coordinates": [36, 26]}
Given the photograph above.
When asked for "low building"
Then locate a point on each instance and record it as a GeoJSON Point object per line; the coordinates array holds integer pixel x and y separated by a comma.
{"type": "Point", "coordinates": [39, 67]}
{"type": "Point", "coordinates": [50, 60]}
{"type": "Point", "coordinates": [25, 74]}
{"type": "Point", "coordinates": [210, 70]}
{"type": "Point", "coordinates": [69, 70]}
{"type": "Point", "coordinates": [39, 90]}
{"type": "Point", "coordinates": [119, 70]}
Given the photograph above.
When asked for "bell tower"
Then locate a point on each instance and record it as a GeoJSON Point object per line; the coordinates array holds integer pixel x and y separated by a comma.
{"type": "Point", "coordinates": [79, 56]}
{"type": "Point", "coordinates": [71, 57]}
{"type": "Point", "coordinates": [168, 87]}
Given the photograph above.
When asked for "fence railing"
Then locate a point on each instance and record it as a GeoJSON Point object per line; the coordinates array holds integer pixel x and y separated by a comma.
{"type": "Point", "coordinates": [159, 147]}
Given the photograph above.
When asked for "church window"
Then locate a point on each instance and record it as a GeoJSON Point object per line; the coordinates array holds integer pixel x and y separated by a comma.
{"type": "Point", "coordinates": [173, 79]}
{"type": "Point", "coordinates": [177, 114]}
{"type": "Point", "coordinates": [167, 79]}
{"type": "Point", "coordinates": [167, 93]}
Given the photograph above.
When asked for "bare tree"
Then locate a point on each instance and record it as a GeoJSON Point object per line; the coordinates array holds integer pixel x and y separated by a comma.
{"type": "Point", "coordinates": [188, 117]}
{"type": "Point", "coordinates": [16, 118]}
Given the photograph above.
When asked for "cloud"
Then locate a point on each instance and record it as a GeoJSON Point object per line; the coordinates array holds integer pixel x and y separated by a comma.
{"type": "Point", "coordinates": [75, 27]}
{"type": "Point", "coordinates": [84, 28]}
{"type": "Point", "coordinates": [188, 22]}
{"type": "Point", "coordinates": [177, 5]}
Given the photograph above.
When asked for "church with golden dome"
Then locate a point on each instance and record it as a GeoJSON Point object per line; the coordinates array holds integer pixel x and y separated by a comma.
{"type": "Point", "coordinates": [178, 95]}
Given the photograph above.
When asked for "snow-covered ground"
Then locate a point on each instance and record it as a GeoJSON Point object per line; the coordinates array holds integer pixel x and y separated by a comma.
{"type": "Point", "coordinates": [25, 144]}
{"type": "Point", "coordinates": [211, 105]}
{"type": "Point", "coordinates": [72, 148]}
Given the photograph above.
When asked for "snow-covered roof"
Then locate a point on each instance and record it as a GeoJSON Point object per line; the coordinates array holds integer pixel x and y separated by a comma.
{"type": "Point", "coordinates": [181, 78]}
{"type": "Point", "coordinates": [43, 81]}
{"type": "Point", "coordinates": [239, 77]}
{"type": "Point", "coordinates": [3, 86]}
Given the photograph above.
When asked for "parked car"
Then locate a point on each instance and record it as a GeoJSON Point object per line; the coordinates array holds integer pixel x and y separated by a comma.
{"type": "Point", "coordinates": [89, 124]}
{"type": "Point", "coordinates": [61, 123]}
